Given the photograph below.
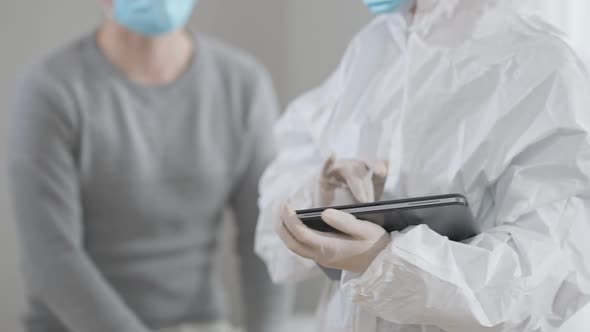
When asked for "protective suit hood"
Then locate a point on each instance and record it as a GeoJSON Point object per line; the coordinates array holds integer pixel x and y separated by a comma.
{"type": "Point", "coordinates": [461, 15]}
{"type": "Point", "coordinates": [436, 10]}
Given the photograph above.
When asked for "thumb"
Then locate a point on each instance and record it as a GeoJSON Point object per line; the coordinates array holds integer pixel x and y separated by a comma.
{"type": "Point", "coordinates": [348, 224]}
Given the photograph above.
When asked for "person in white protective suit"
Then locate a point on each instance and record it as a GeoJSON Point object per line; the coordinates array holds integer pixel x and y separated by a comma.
{"type": "Point", "coordinates": [462, 96]}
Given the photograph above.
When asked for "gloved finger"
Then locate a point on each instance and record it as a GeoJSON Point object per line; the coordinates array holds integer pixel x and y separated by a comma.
{"type": "Point", "coordinates": [302, 233]}
{"type": "Point", "coordinates": [328, 165]}
{"type": "Point", "coordinates": [380, 170]}
{"type": "Point", "coordinates": [356, 175]}
{"type": "Point", "coordinates": [327, 185]}
{"type": "Point", "coordinates": [341, 169]}
{"type": "Point", "coordinates": [361, 187]}
{"type": "Point", "coordinates": [378, 187]}
{"type": "Point", "coordinates": [292, 243]}
{"type": "Point", "coordinates": [348, 224]}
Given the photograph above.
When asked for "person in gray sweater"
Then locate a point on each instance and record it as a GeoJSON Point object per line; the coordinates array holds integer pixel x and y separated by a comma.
{"type": "Point", "coordinates": [125, 147]}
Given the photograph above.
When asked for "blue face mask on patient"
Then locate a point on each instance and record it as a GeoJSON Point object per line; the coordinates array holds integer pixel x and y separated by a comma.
{"type": "Point", "coordinates": [383, 6]}
{"type": "Point", "coordinates": [153, 18]}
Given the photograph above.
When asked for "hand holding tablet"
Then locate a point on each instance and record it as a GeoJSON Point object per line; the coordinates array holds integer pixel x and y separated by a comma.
{"type": "Point", "coordinates": [448, 215]}
{"type": "Point", "coordinates": [349, 237]}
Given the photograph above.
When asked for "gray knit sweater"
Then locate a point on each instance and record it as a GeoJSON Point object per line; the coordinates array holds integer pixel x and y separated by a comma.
{"type": "Point", "coordinates": [118, 190]}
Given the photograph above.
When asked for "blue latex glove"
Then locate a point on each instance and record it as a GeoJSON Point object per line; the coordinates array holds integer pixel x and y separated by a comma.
{"type": "Point", "coordinates": [383, 6]}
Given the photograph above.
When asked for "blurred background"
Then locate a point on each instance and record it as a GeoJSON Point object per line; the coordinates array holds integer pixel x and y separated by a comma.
{"type": "Point", "coordinates": [300, 42]}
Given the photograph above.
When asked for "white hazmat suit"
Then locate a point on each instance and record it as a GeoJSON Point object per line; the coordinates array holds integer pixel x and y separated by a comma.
{"type": "Point", "coordinates": [469, 97]}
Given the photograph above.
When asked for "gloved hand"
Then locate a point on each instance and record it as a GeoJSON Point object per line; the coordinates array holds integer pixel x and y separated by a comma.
{"type": "Point", "coordinates": [365, 180]}
{"type": "Point", "coordinates": [353, 250]}
{"type": "Point", "coordinates": [383, 6]}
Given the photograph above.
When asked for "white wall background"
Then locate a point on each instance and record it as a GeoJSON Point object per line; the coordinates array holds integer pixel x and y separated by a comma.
{"type": "Point", "coordinates": [300, 41]}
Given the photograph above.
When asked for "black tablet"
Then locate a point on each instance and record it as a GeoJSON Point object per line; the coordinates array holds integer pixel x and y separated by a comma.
{"type": "Point", "coordinates": [448, 215]}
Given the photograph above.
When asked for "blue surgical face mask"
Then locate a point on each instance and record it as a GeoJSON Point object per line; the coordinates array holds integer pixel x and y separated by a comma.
{"type": "Point", "coordinates": [153, 18]}
{"type": "Point", "coordinates": [384, 6]}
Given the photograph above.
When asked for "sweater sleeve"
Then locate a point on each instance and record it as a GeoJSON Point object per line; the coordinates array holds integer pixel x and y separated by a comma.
{"type": "Point", "coordinates": [46, 197]}
{"type": "Point", "coordinates": [267, 305]}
